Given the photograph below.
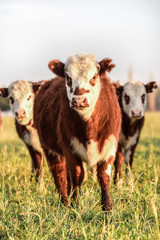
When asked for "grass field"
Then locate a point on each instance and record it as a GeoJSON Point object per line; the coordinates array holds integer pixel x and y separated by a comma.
{"type": "Point", "coordinates": [29, 212]}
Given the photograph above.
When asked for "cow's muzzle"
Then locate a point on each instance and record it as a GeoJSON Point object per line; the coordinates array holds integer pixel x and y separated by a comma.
{"type": "Point", "coordinates": [136, 114]}
{"type": "Point", "coordinates": [79, 102]}
{"type": "Point", "coordinates": [20, 113]}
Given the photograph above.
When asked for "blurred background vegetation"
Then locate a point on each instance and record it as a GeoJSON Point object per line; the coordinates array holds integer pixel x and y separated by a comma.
{"type": "Point", "coordinates": [4, 104]}
{"type": "Point", "coordinates": [154, 101]}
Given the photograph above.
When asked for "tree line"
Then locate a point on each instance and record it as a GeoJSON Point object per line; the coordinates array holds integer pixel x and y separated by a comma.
{"type": "Point", "coordinates": [4, 104]}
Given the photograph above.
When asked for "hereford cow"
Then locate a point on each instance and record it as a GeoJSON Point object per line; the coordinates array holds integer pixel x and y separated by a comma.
{"type": "Point", "coordinates": [132, 99]}
{"type": "Point", "coordinates": [78, 118]}
{"type": "Point", "coordinates": [21, 97]}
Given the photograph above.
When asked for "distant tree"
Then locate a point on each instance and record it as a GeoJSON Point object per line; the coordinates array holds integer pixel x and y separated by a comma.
{"type": "Point", "coordinates": [158, 99]}
{"type": "Point", "coordinates": [152, 101]}
{"type": "Point", "coordinates": [4, 104]}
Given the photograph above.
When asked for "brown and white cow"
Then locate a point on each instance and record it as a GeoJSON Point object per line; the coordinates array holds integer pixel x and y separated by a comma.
{"type": "Point", "coordinates": [78, 119]}
{"type": "Point", "coordinates": [132, 99]}
{"type": "Point", "coordinates": [21, 96]}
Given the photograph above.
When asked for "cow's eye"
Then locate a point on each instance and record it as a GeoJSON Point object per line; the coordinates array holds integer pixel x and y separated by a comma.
{"type": "Point", "coordinates": [11, 100]}
{"type": "Point", "coordinates": [143, 97]}
{"type": "Point", "coordinates": [29, 98]}
{"type": "Point", "coordinates": [68, 80]}
{"type": "Point", "coordinates": [93, 80]}
{"type": "Point", "coordinates": [127, 98]}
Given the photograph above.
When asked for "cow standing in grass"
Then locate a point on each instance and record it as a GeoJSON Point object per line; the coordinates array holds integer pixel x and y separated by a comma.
{"type": "Point", "coordinates": [21, 96]}
{"type": "Point", "coordinates": [78, 119]}
{"type": "Point", "coordinates": [132, 99]}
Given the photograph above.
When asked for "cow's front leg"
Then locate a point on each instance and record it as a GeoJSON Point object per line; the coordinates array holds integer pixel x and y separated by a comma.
{"type": "Point", "coordinates": [118, 165]}
{"type": "Point", "coordinates": [127, 156]}
{"type": "Point", "coordinates": [85, 172]}
{"type": "Point", "coordinates": [58, 169]}
{"type": "Point", "coordinates": [104, 175]}
{"type": "Point", "coordinates": [76, 172]}
{"type": "Point", "coordinates": [37, 163]}
{"type": "Point", "coordinates": [132, 154]}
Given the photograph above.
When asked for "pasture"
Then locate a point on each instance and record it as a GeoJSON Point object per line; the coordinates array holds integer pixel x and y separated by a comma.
{"type": "Point", "coordinates": [32, 211]}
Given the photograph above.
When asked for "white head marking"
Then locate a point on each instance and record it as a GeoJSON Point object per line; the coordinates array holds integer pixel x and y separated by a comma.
{"type": "Point", "coordinates": [134, 99]}
{"type": "Point", "coordinates": [82, 82]}
{"type": "Point", "coordinates": [21, 98]}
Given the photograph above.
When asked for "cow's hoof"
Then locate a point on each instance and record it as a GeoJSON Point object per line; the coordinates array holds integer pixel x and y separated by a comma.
{"type": "Point", "coordinates": [107, 205]}
{"type": "Point", "coordinates": [128, 173]}
{"type": "Point", "coordinates": [107, 208]}
{"type": "Point", "coordinates": [64, 200]}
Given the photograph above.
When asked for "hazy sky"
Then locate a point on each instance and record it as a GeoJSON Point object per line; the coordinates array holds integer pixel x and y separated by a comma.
{"type": "Point", "coordinates": [34, 32]}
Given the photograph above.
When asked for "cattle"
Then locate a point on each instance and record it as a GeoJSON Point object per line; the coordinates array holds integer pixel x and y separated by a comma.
{"type": "Point", "coordinates": [132, 99]}
{"type": "Point", "coordinates": [21, 96]}
{"type": "Point", "coordinates": [78, 119]}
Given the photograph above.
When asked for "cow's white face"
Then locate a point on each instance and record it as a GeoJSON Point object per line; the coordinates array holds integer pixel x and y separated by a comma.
{"type": "Point", "coordinates": [21, 98]}
{"type": "Point", "coordinates": [82, 83]}
{"type": "Point", "coordinates": [134, 99]}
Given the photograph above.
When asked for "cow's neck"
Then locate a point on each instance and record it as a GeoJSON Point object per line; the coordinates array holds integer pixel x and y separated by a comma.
{"type": "Point", "coordinates": [93, 126]}
{"type": "Point", "coordinates": [130, 126]}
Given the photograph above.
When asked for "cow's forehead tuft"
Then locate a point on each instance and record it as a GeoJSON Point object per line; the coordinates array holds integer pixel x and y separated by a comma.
{"type": "Point", "coordinates": [20, 87]}
{"type": "Point", "coordinates": [134, 87]}
{"type": "Point", "coordinates": [81, 63]}
{"type": "Point", "coordinates": [81, 59]}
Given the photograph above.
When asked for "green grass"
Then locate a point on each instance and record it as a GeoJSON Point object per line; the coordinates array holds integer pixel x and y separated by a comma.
{"type": "Point", "coordinates": [28, 211]}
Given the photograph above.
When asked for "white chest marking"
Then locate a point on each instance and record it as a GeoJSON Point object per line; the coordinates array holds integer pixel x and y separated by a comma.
{"type": "Point", "coordinates": [31, 138]}
{"type": "Point", "coordinates": [108, 171]}
{"type": "Point", "coordinates": [127, 155]}
{"type": "Point", "coordinates": [91, 154]}
{"type": "Point", "coordinates": [54, 154]}
{"type": "Point", "coordinates": [128, 143]}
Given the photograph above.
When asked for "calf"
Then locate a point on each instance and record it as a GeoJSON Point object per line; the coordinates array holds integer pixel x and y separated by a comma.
{"type": "Point", "coordinates": [21, 97]}
{"type": "Point", "coordinates": [78, 118]}
{"type": "Point", "coordinates": [132, 99]}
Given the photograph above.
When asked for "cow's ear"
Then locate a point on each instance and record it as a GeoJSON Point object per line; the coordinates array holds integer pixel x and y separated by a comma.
{"type": "Point", "coordinates": [57, 67]}
{"type": "Point", "coordinates": [118, 87]}
{"type": "Point", "coordinates": [36, 85]}
{"type": "Point", "coordinates": [4, 92]}
{"type": "Point", "coordinates": [150, 86]}
{"type": "Point", "coordinates": [106, 65]}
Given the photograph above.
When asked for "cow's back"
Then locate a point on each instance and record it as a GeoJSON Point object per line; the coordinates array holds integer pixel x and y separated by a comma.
{"type": "Point", "coordinates": [47, 107]}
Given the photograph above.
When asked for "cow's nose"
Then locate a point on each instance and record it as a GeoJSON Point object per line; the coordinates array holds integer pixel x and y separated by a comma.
{"type": "Point", "coordinates": [80, 102]}
{"type": "Point", "coordinates": [136, 113]}
{"type": "Point", "coordinates": [21, 113]}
